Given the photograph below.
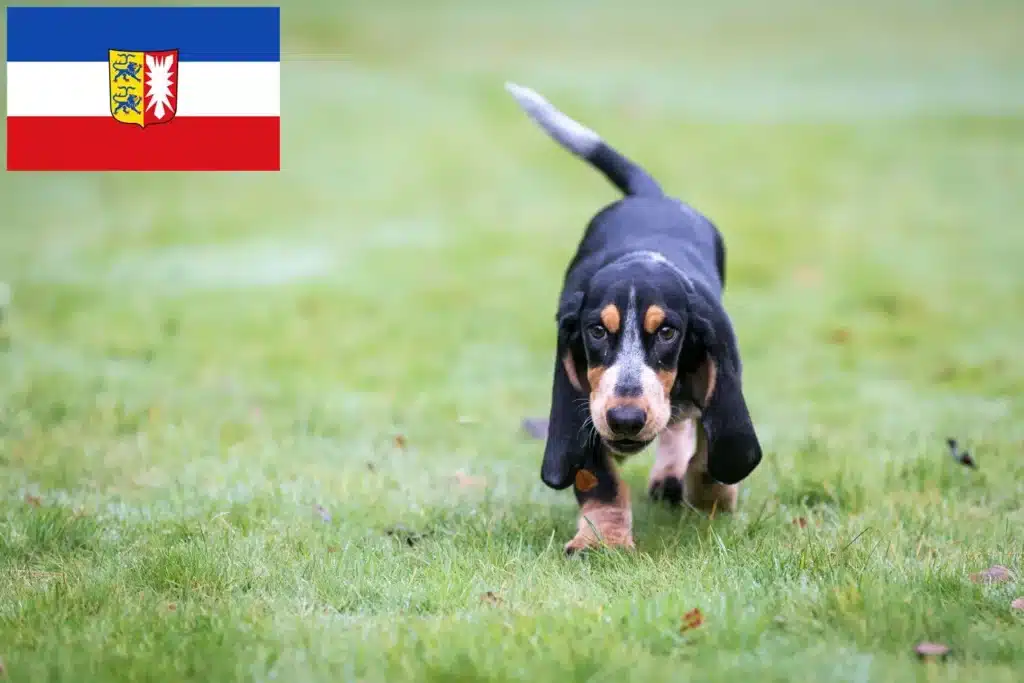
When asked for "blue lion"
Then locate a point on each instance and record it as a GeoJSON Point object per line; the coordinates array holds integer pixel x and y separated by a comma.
{"type": "Point", "coordinates": [128, 101]}
{"type": "Point", "coordinates": [125, 69]}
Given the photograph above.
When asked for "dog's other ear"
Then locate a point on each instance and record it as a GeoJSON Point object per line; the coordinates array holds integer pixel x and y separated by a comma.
{"type": "Point", "coordinates": [567, 439]}
{"type": "Point", "coordinates": [710, 359]}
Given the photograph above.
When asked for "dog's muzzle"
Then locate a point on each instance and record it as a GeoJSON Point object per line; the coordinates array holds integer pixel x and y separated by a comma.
{"type": "Point", "coordinates": [626, 422]}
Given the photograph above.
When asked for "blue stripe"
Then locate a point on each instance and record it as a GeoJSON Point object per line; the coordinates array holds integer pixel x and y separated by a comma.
{"type": "Point", "coordinates": [84, 34]}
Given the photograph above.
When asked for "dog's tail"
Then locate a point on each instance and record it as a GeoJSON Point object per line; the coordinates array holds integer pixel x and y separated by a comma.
{"type": "Point", "coordinates": [586, 144]}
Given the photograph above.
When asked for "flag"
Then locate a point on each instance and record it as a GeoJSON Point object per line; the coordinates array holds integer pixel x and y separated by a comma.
{"type": "Point", "coordinates": [143, 89]}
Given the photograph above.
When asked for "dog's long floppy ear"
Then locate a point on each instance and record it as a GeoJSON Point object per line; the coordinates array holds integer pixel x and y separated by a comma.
{"type": "Point", "coordinates": [711, 364]}
{"type": "Point", "coordinates": [568, 441]}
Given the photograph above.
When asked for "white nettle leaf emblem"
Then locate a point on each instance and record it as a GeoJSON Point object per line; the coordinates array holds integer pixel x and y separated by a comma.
{"type": "Point", "coordinates": [160, 81]}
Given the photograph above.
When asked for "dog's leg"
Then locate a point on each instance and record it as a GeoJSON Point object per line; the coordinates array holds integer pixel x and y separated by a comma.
{"type": "Point", "coordinates": [604, 508]}
{"type": "Point", "coordinates": [701, 491]}
{"type": "Point", "coordinates": [676, 446]}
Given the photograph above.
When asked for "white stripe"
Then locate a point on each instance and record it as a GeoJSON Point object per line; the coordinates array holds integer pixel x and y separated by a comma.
{"type": "Point", "coordinates": [204, 89]}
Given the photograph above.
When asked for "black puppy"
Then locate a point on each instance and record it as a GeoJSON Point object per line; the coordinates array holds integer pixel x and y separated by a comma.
{"type": "Point", "coordinates": [645, 349]}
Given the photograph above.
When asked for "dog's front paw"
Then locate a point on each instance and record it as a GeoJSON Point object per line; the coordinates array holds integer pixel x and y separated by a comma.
{"type": "Point", "coordinates": [668, 489]}
{"type": "Point", "coordinates": [586, 540]}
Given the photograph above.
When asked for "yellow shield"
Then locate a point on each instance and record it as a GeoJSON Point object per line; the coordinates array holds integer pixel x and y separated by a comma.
{"type": "Point", "coordinates": [127, 70]}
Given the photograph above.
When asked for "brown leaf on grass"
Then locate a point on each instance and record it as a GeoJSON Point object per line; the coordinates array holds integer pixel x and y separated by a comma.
{"type": "Point", "coordinates": [467, 481]}
{"type": "Point", "coordinates": [585, 480]}
{"type": "Point", "coordinates": [34, 501]}
{"type": "Point", "coordinates": [331, 549]}
{"type": "Point", "coordinates": [324, 513]}
{"type": "Point", "coordinates": [171, 607]}
{"type": "Point", "coordinates": [491, 598]}
{"type": "Point", "coordinates": [800, 522]}
{"type": "Point", "coordinates": [1017, 604]}
{"type": "Point", "coordinates": [994, 574]}
{"type": "Point", "coordinates": [691, 620]}
{"type": "Point", "coordinates": [400, 441]}
{"type": "Point", "coordinates": [925, 650]}
{"type": "Point", "coordinates": [840, 335]}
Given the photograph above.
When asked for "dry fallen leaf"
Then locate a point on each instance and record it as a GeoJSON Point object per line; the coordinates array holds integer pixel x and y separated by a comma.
{"type": "Point", "coordinates": [491, 598]}
{"type": "Point", "coordinates": [34, 501]}
{"type": "Point", "coordinates": [171, 607]}
{"type": "Point", "coordinates": [931, 650]}
{"type": "Point", "coordinates": [1017, 604]}
{"type": "Point", "coordinates": [994, 574]}
{"type": "Point", "coordinates": [469, 481]}
{"type": "Point", "coordinates": [691, 620]}
{"type": "Point", "coordinates": [800, 522]}
{"type": "Point", "coordinates": [585, 480]}
{"type": "Point", "coordinates": [839, 335]}
{"type": "Point", "coordinates": [325, 515]}
{"type": "Point", "coordinates": [400, 441]}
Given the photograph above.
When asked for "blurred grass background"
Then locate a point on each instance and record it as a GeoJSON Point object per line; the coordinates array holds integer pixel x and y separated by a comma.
{"type": "Point", "coordinates": [193, 362]}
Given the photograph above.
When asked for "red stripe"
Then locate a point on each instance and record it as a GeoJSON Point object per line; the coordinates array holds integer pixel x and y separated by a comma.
{"type": "Point", "coordinates": [213, 143]}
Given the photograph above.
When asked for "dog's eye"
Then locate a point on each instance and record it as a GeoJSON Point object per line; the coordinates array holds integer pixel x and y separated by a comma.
{"type": "Point", "coordinates": [597, 332]}
{"type": "Point", "coordinates": [667, 334]}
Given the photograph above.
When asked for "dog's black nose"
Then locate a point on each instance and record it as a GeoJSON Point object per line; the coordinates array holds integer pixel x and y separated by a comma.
{"type": "Point", "coordinates": [626, 420]}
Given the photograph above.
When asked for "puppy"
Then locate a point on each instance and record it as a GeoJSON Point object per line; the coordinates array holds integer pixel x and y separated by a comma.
{"type": "Point", "coordinates": [645, 351]}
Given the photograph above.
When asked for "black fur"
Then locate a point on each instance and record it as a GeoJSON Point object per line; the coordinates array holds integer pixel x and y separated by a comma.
{"type": "Point", "coordinates": [686, 276]}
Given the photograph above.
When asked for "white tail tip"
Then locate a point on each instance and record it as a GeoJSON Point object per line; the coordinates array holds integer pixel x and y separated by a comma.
{"type": "Point", "coordinates": [571, 134]}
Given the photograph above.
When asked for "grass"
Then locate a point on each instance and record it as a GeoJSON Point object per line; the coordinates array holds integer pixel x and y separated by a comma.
{"type": "Point", "coordinates": [193, 364]}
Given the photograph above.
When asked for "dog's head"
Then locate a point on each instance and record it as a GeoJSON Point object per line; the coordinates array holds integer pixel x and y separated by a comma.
{"type": "Point", "coordinates": [641, 346]}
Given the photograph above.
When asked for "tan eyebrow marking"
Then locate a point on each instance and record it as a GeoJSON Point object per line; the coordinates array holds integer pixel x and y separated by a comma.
{"type": "Point", "coordinates": [610, 318]}
{"type": "Point", "coordinates": [653, 319]}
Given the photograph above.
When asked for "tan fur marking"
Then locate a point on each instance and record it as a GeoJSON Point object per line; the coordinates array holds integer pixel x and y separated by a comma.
{"type": "Point", "coordinates": [704, 380]}
{"type": "Point", "coordinates": [699, 489]}
{"type": "Point", "coordinates": [653, 319]}
{"type": "Point", "coordinates": [594, 375]}
{"type": "Point", "coordinates": [610, 318]}
{"type": "Point", "coordinates": [613, 521]}
{"type": "Point", "coordinates": [570, 370]}
{"type": "Point", "coordinates": [667, 379]}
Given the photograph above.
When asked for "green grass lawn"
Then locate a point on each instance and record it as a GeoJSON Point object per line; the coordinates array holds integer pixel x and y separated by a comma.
{"type": "Point", "coordinates": [192, 364]}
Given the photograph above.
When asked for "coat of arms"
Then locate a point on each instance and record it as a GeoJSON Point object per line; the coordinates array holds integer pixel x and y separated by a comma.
{"type": "Point", "coordinates": [143, 86]}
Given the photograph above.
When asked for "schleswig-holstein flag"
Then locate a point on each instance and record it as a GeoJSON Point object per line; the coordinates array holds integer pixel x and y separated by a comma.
{"type": "Point", "coordinates": [143, 89]}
